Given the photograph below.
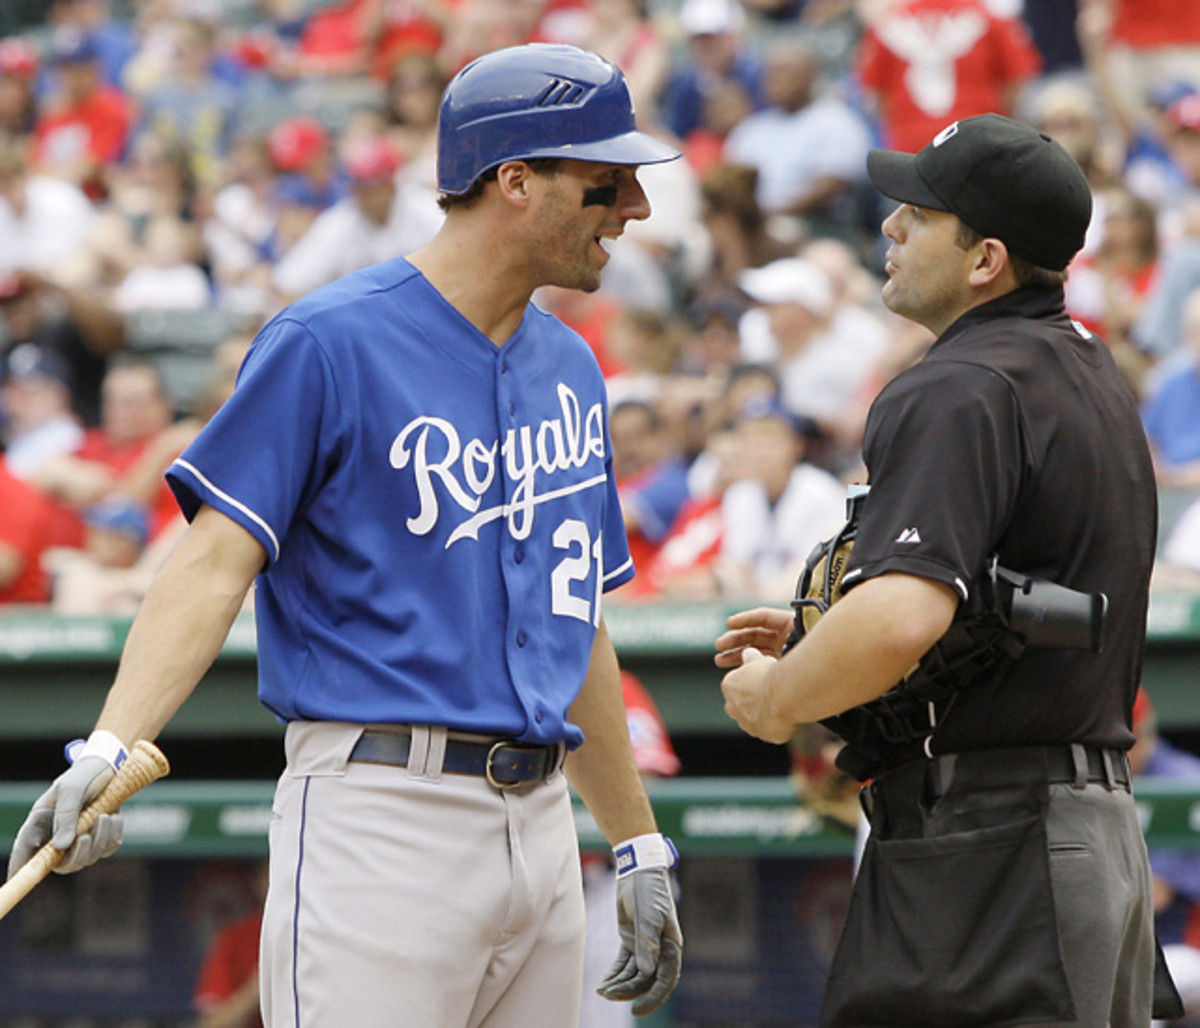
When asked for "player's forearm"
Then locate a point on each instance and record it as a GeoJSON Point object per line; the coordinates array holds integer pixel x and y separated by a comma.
{"type": "Point", "coordinates": [181, 626]}
{"type": "Point", "coordinates": [602, 770]}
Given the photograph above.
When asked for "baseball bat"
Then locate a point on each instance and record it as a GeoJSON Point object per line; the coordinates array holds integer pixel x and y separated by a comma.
{"type": "Point", "coordinates": [145, 764]}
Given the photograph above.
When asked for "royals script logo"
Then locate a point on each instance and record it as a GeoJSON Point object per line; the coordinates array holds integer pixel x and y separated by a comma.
{"type": "Point", "coordinates": [444, 467]}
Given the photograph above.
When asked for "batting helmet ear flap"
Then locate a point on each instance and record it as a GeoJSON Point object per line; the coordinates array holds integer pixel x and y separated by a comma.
{"type": "Point", "coordinates": [538, 100]}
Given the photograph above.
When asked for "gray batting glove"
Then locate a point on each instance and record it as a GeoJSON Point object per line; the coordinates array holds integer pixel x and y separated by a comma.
{"type": "Point", "coordinates": [55, 814]}
{"type": "Point", "coordinates": [651, 955]}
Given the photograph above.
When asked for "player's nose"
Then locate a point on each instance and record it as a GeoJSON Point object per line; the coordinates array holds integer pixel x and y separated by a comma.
{"type": "Point", "coordinates": [632, 201]}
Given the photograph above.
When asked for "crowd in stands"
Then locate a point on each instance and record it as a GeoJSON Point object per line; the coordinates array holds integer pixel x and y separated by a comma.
{"type": "Point", "coordinates": [192, 156]}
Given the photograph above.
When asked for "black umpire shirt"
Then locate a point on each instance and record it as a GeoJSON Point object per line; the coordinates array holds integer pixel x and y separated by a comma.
{"type": "Point", "coordinates": [1017, 436]}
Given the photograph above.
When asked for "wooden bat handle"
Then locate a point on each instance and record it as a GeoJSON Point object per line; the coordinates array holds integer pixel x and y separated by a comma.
{"type": "Point", "coordinates": [145, 764]}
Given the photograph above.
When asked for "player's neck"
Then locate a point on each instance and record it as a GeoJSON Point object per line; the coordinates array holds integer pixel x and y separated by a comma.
{"type": "Point", "coordinates": [475, 281]}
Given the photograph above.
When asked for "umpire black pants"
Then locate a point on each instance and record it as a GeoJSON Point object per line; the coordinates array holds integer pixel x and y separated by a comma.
{"type": "Point", "coordinates": [991, 895]}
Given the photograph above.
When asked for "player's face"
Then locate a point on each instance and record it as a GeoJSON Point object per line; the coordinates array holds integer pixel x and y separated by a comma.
{"type": "Point", "coordinates": [583, 208]}
{"type": "Point", "coordinates": [926, 269]}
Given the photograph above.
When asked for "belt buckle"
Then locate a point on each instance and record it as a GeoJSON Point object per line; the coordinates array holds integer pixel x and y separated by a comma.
{"type": "Point", "coordinates": [487, 768]}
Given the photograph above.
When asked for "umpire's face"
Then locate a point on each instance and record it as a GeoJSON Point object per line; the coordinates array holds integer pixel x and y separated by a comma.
{"type": "Point", "coordinates": [928, 272]}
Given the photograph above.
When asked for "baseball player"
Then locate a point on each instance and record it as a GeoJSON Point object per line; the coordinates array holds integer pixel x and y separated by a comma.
{"type": "Point", "coordinates": [416, 468]}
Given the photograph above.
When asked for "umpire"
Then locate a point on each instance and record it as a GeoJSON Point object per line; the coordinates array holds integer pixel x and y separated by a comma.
{"type": "Point", "coordinates": [1006, 879]}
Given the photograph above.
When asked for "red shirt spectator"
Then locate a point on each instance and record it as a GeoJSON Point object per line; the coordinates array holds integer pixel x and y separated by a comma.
{"type": "Point", "coordinates": [85, 124]}
{"type": "Point", "coordinates": [231, 966]}
{"type": "Point", "coordinates": [23, 517]}
{"type": "Point", "coordinates": [1150, 23]}
{"type": "Point", "coordinates": [931, 62]}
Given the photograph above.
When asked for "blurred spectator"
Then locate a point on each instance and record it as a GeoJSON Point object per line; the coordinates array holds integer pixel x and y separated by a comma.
{"type": "Point", "coordinates": [301, 149]}
{"type": "Point", "coordinates": [624, 32]}
{"type": "Point", "coordinates": [237, 235]}
{"type": "Point", "coordinates": [127, 453]}
{"type": "Point", "coordinates": [926, 63]}
{"type": "Point", "coordinates": [712, 346]}
{"type": "Point", "coordinates": [167, 274]}
{"type": "Point", "coordinates": [717, 56]}
{"type": "Point", "coordinates": [79, 328]}
{"type": "Point", "coordinates": [1108, 286]}
{"type": "Point", "coordinates": [1052, 26]}
{"type": "Point", "coordinates": [19, 62]}
{"type": "Point", "coordinates": [103, 581]}
{"type": "Point", "coordinates": [113, 37]}
{"type": "Point", "coordinates": [651, 482]}
{"type": "Point", "coordinates": [1179, 209]}
{"type": "Point", "coordinates": [227, 994]}
{"type": "Point", "coordinates": [737, 228]}
{"type": "Point", "coordinates": [23, 521]}
{"type": "Point", "coordinates": [810, 150]}
{"type": "Point", "coordinates": [1171, 413]}
{"type": "Point", "coordinates": [779, 508]}
{"type": "Point", "coordinates": [155, 182]}
{"type": "Point", "coordinates": [476, 26]}
{"type": "Point", "coordinates": [1137, 115]}
{"type": "Point", "coordinates": [82, 127]}
{"type": "Point", "coordinates": [644, 346]}
{"type": "Point", "coordinates": [98, 580]}
{"type": "Point", "coordinates": [1150, 39]}
{"type": "Point", "coordinates": [410, 119]}
{"type": "Point", "coordinates": [35, 409]}
{"type": "Point", "coordinates": [823, 358]}
{"type": "Point", "coordinates": [43, 220]}
{"type": "Point", "coordinates": [686, 564]}
{"type": "Point", "coordinates": [193, 104]}
{"type": "Point", "coordinates": [381, 219]}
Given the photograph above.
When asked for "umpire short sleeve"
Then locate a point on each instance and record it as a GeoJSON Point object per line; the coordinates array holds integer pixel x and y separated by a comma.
{"type": "Point", "coordinates": [264, 453]}
{"type": "Point", "coordinates": [944, 449]}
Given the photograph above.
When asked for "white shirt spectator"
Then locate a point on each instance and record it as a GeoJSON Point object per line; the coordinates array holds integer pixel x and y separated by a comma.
{"type": "Point", "coordinates": [775, 540]}
{"type": "Point", "coordinates": [49, 231]}
{"type": "Point", "coordinates": [342, 239]}
{"type": "Point", "coordinates": [792, 150]}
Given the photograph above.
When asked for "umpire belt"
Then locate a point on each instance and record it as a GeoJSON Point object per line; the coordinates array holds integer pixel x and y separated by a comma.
{"type": "Point", "coordinates": [503, 762]}
{"type": "Point", "coordinates": [1075, 764]}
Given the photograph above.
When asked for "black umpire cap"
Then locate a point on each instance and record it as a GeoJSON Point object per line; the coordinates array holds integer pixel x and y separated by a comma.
{"type": "Point", "coordinates": [1003, 179]}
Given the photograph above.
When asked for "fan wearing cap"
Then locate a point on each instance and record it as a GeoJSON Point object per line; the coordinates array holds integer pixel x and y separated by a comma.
{"type": "Point", "coordinates": [382, 217]}
{"type": "Point", "coordinates": [415, 473]}
{"type": "Point", "coordinates": [83, 127]}
{"type": "Point", "coordinates": [1006, 878]}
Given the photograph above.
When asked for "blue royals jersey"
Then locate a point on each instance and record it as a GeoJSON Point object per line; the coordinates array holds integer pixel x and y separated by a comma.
{"type": "Point", "coordinates": [438, 513]}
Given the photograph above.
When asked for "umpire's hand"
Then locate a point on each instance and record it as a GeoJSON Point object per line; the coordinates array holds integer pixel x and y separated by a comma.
{"type": "Point", "coordinates": [651, 954]}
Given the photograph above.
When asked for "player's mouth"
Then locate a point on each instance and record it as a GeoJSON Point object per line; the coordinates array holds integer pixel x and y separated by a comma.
{"type": "Point", "coordinates": [606, 242]}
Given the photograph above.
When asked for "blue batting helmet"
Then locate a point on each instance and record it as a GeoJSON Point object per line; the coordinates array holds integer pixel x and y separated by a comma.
{"type": "Point", "coordinates": [538, 100]}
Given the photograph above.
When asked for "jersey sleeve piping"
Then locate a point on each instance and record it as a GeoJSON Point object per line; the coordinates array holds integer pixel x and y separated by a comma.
{"type": "Point", "coordinates": [621, 573]}
{"type": "Point", "coordinates": [919, 567]}
{"type": "Point", "coordinates": [236, 505]}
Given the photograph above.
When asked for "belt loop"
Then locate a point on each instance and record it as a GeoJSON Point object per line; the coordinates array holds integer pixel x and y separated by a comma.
{"type": "Point", "coordinates": [436, 757]}
{"type": "Point", "coordinates": [418, 752]}
{"type": "Point", "coordinates": [1110, 776]}
{"type": "Point", "coordinates": [1079, 759]}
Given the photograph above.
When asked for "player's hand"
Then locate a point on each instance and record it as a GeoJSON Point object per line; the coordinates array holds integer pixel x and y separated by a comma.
{"type": "Point", "coordinates": [55, 813]}
{"type": "Point", "coordinates": [749, 693]}
{"type": "Point", "coordinates": [764, 628]}
{"type": "Point", "coordinates": [647, 967]}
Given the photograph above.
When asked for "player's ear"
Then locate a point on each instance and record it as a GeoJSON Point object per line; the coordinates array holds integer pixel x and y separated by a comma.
{"type": "Point", "coordinates": [513, 179]}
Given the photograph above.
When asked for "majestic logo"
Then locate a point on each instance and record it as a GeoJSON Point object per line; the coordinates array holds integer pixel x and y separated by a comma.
{"type": "Point", "coordinates": [465, 471]}
{"type": "Point", "coordinates": [909, 535]}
